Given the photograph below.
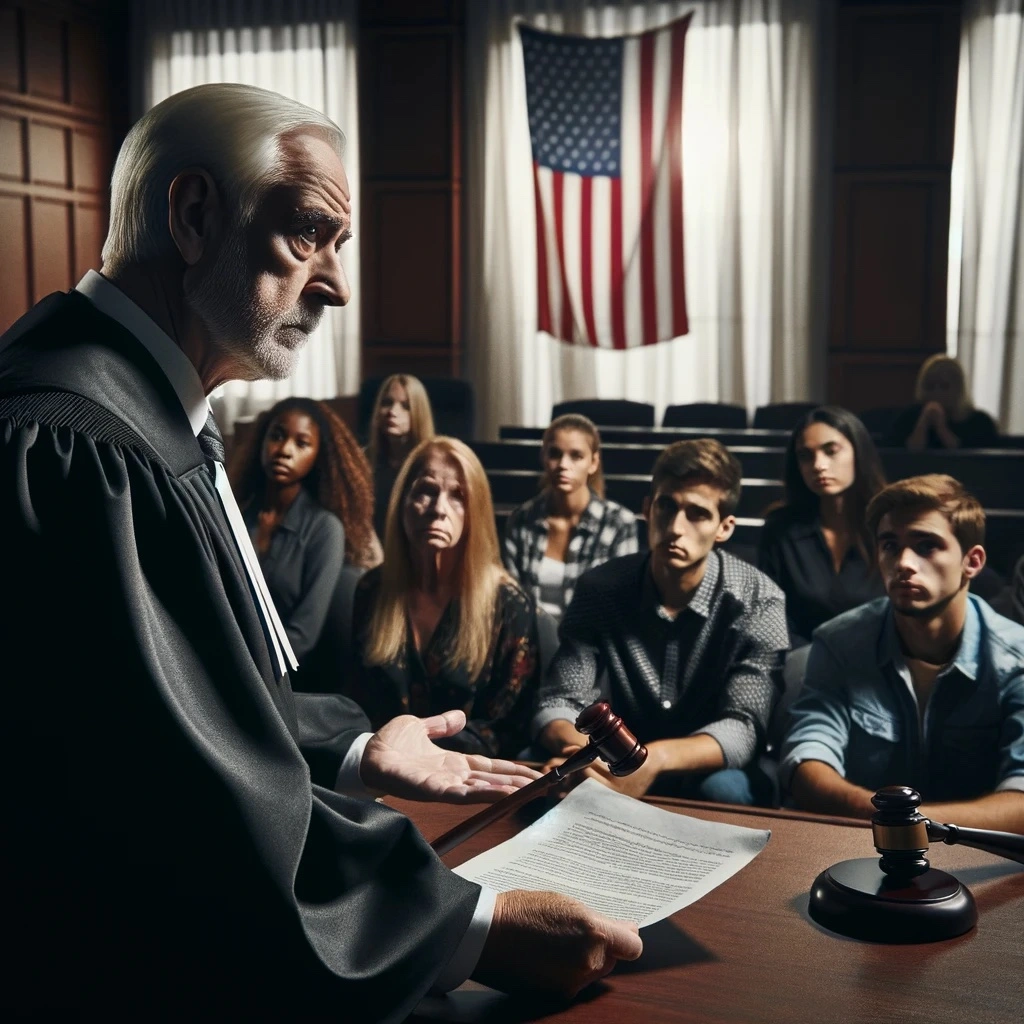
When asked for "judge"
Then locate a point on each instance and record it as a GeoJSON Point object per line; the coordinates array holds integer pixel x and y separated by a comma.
{"type": "Point", "coordinates": [167, 847]}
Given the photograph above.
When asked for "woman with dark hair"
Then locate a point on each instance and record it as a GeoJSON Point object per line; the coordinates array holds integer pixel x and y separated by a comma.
{"type": "Point", "coordinates": [570, 526]}
{"type": "Point", "coordinates": [306, 494]}
{"type": "Point", "coordinates": [816, 545]}
{"type": "Point", "coordinates": [441, 626]}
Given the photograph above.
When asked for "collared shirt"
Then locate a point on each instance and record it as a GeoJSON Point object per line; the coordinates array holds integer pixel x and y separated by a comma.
{"type": "Point", "coordinates": [181, 374]}
{"type": "Point", "coordinates": [858, 711]}
{"type": "Point", "coordinates": [715, 668]}
{"type": "Point", "coordinates": [110, 300]}
{"type": "Point", "coordinates": [605, 530]}
{"type": "Point", "coordinates": [302, 566]}
{"type": "Point", "coordinates": [183, 378]}
{"type": "Point", "coordinates": [792, 550]}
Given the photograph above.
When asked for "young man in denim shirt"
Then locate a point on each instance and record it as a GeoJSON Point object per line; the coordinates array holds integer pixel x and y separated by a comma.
{"type": "Point", "coordinates": [924, 687]}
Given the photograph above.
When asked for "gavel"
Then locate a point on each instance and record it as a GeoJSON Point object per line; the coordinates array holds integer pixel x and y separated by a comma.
{"type": "Point", "coordinates": [901, 897]}
{"type": "Point", "coordinates": [609, 739]}
{"type": "Point", "coordinates": [902, 834]}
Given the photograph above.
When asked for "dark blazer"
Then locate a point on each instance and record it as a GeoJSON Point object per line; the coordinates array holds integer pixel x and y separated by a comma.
{"type": "Point", "coordinates": [165, 848]}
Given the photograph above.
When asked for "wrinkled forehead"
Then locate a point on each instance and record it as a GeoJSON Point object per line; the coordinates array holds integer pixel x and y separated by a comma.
{"type": "Point", "coordinates": [311, 174]}
{"type": "Point", "coordinates": [440, 467]}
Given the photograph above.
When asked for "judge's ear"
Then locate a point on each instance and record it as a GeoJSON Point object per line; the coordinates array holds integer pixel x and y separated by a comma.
{"type": "Point", "coordinates": [194, 214]}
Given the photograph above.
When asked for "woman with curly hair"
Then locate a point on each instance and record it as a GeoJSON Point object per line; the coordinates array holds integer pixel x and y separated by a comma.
{"type": "Point", "coordinates": [401, 419]}
{"type": "Point", "coordinates": [306, 495]}
{"type": "Point", "coordinates": [441, 626]}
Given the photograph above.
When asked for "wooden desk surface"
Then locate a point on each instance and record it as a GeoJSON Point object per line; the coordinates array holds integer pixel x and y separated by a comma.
{"type": "Point", "coordinates": [749, 952]}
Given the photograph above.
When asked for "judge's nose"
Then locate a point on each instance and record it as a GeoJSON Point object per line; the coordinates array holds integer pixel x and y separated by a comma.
{"type": "Point", "coordinates": [329, 282]}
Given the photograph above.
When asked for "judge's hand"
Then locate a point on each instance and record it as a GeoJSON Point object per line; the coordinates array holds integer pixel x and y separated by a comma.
{"type": "Point", "coordinates": [547, 943]}
{"type": "Point", "coordinates": [402, 760]}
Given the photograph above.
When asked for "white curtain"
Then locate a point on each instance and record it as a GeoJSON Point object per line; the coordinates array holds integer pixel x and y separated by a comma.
{"type": "Point", "coordinates": [985, 318]}
{"type": "Point", "coordinates": [751, 151]}
{"type": "Point", "coordinates": [303, 49]}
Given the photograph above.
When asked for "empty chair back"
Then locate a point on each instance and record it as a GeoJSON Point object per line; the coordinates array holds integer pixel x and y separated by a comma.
{"type": "Point", "coordinates": [608, 412]}
{"type": "Point", "coordinates": [782, 415]}
{"type": "Point", "coordinates": [878, 421]}
{"type": "Point", "coordinates": [706, 414]}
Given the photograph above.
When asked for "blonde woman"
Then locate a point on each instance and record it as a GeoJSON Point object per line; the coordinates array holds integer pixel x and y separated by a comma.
{"type": "Point", "coordinates": [570, 526]}
{"type": "Point", "coordinates": [944, 416]}
{"type": "Point", "coordinates": [401, 419]}
{"type": "Point", "coordinates": [440, 625]}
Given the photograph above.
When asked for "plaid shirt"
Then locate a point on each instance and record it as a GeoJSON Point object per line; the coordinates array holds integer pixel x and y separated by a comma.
{"type": "Point", "coordinates": [605, 530]}
{"type": "Point", "coordinates": [716, 668]}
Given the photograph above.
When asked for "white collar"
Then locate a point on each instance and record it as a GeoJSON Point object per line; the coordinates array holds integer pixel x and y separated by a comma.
{"type": "Point", "coordinates": [110, 300]}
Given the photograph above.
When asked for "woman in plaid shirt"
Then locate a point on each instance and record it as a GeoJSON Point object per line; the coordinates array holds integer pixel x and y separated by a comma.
{"type": "Point", "coordinates": [570, 526]}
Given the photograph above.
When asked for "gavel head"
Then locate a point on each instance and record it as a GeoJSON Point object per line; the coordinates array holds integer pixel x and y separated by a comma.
{"type": "Point", "coordinates": [900, 832]}
{"type": "Point", "coordinates": [615, 744]}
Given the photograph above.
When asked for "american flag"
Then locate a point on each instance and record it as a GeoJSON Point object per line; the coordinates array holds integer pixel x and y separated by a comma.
{"type": "Point", "coordinates": [606, 129]}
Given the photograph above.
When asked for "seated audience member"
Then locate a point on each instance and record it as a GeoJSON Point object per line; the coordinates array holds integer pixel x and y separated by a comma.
{"type": "Point", "coordinates": [924, 687]}
{"type": "Point", "coordinates": [944, 416]}
{"type": "Point", "coordinates": [692, 640]}
{"type": "Point", "coordinates": [816, 545]}
{"type": "Point", "coordinates": [1010, 601]}
{"type": "Point", "coordinates": [303, 485]}
{"type": "Point", "coordinates": [570, 526]}
{"type": "Point", "coordinates": [401, 419]}
{"type": "Point", "coordinates": [440, 624]}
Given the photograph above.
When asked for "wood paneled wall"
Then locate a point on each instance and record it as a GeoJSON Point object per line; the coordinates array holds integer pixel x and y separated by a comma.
{"type": "Point", "coordinates": [896, 71]}
{"type": "Point", "coordinates": [57, 131]}
{"type": "Point", "coordinates": [410, 60]}
{"type": "Point", "coordinates": [63, 103]}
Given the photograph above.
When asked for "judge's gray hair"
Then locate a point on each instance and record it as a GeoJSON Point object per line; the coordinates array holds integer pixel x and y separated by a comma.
{"type": "Point", "coordinates": [233, 132]}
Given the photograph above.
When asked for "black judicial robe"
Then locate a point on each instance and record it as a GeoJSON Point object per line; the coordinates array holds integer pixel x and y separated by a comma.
{"type": "Point", "coordinates": [165, 849]}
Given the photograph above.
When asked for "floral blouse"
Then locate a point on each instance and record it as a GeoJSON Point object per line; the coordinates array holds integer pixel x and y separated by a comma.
{"type": "Point", "coordinates": [498, 703]}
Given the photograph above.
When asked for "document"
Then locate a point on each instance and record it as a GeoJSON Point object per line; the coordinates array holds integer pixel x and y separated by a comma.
{"type": "Point", "coordinates": [619, 856]}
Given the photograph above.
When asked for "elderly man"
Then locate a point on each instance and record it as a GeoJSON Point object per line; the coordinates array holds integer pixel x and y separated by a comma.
{"type": "Point", "coordinates": [166, 849]}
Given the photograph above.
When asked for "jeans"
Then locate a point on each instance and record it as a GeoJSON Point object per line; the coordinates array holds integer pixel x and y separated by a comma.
{"type": "Point", "coordinates": [749, 786]}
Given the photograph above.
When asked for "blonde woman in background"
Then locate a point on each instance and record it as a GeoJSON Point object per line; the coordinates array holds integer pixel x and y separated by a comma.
{"type": "Point", "coordinates": [944, 416]}
{"type": "Point", "coordinates": [570, 526]}
{"type": "Point", "coordinates": [401, 419]}
{"type": "Point", "coordinates": [440, 625]}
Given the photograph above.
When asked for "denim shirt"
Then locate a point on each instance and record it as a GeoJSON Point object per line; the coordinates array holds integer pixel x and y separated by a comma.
{"type": "Point", "coordinates": [858, 713]}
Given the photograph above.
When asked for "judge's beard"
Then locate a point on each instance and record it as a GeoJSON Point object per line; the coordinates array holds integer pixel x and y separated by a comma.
{"type": "Point", "coordinates": [239, 324]}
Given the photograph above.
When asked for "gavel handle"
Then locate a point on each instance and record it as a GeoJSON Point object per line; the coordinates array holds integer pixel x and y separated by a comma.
{"type": "Point", "coordinates": [512, 802]}
{"type": "Point", "coordinates": [1002, 844]}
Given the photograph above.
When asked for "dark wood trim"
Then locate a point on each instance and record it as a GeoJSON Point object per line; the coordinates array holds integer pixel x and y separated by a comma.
{"type": "Point", "coordinates": [75, 196]}
{"type": "Point", "coordinates": [65, 114]}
